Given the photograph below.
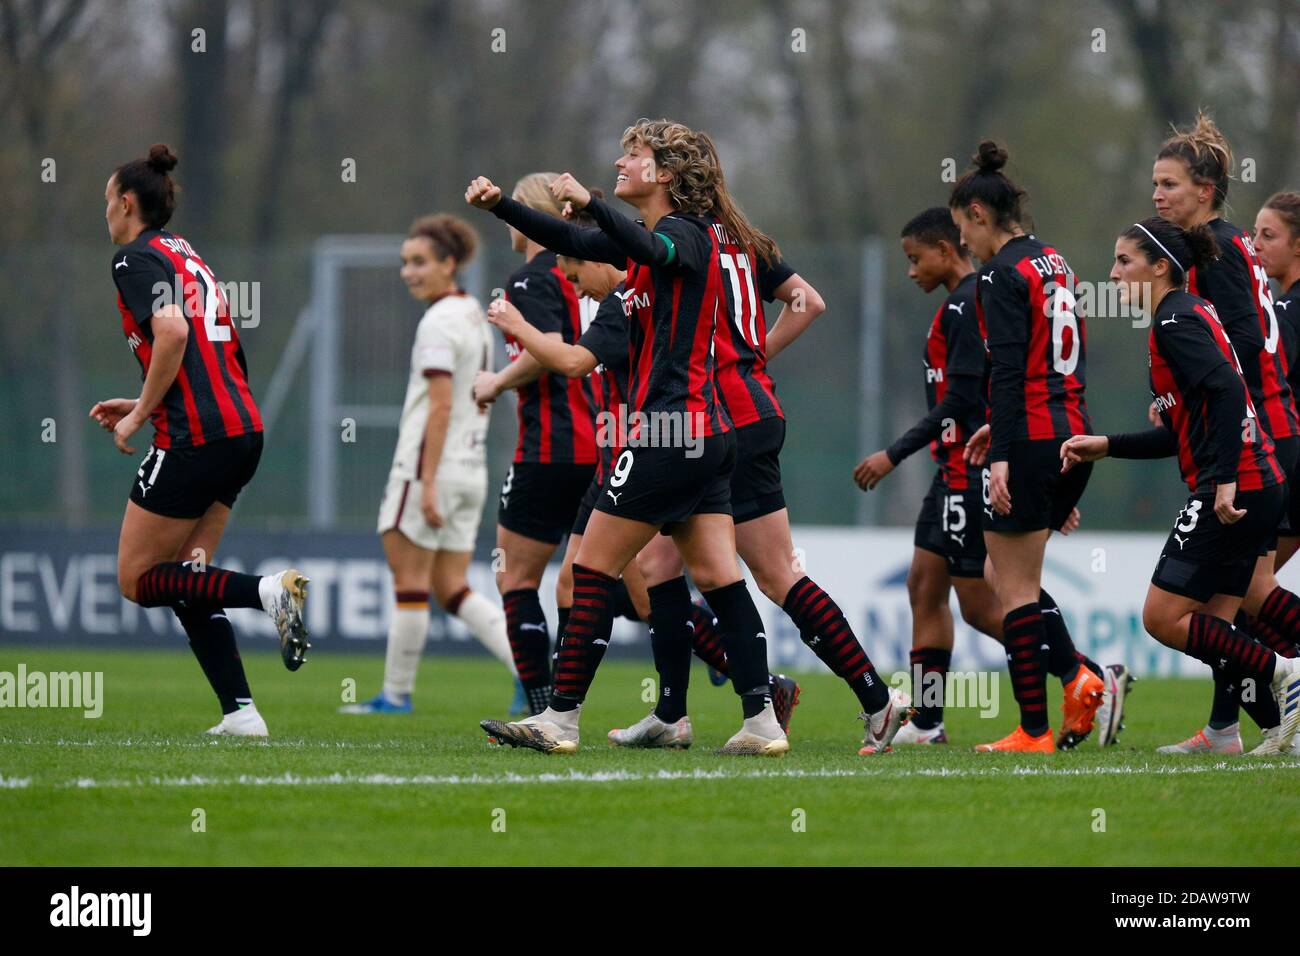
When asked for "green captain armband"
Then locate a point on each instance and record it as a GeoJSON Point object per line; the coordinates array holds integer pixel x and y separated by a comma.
{"type": "Point", "coordinates": [672, 249]}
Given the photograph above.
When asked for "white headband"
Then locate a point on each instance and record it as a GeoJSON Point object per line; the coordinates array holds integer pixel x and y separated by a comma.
{"type": "Point", "coordinates": [1172, 258]}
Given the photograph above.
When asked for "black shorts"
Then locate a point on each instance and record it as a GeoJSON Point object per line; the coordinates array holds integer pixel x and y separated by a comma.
{"type": "Point", "coordinates": [540, 501]}
{"type": "Point", "coordinates": [1287, 453]}
{"type": "Point", "coordinates": [185, 482]}
{"type": "Point", "coordinates": [756, 482]}
{"type": "Point", "coordinates": [665, 486]}
{"type": "Point", "coordinates": [1041, 497]}
{"type": "Point", "coordinates": [949, 524]}
{"type": "Point", "coordinates": [1202, 557]}
{"type": "Point", "coordinates": [585, 506]}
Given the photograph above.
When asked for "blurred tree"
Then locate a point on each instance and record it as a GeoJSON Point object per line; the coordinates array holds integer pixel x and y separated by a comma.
{"type": "Point", "coordinates": [31, 36]}
{"type": "Point", "coordinates": [205, 110]}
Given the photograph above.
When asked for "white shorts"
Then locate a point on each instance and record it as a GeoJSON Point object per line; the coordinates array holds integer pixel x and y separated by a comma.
{"type": "Point", "coordinates": [460, 502]}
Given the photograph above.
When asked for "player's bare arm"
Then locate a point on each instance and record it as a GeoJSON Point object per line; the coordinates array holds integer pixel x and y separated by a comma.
{"type": "Point", "coordinates": [170, 334]}
{"type": "Point", "coordinates": [803, 304]}
{"type": "Point", "coordinates": [548, 348]}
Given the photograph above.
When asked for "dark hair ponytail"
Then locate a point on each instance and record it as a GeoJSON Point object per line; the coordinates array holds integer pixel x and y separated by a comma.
{"type": "Point", "coordinates": [149, 178]}
{"type": "Point", "coordinates": [990, 187]}
{"type": "Point", "coordinates": [1183, 248]}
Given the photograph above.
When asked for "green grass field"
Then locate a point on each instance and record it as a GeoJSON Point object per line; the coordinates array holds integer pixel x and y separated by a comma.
{"type": "Point", "coordinates": [426, 789]}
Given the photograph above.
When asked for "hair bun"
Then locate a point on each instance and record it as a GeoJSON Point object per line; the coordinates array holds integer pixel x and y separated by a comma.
{"type": "Point", "coordinates": [161, 158]}
{"type": "Point", "coordinates": [990, 158]}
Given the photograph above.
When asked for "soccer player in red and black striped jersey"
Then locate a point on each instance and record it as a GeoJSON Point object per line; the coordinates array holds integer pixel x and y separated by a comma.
{"type": "Point", "coordinates": [555, 455]}
{"type": "Point", "coordinates": [949, 543]}
{"type": "Point", "coordinates": [602, 352]}
{"type": "Point", "coordinates": [1025, 301]}
{"type": "Point", "coordinates": [1237, 487]}
{"type": "Point", "coordinates": [1277, 242]}
{"type": "Point", "coordinates": [206, 445]}
{"type": "Point", "coordinates": [678, 480]}
{"type": "Point", "coordinates": [667, 167]}
{"type": "Point", "coordinates": [1190, 185]}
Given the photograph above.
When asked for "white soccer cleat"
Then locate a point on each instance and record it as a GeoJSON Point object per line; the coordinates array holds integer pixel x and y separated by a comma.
{"type": "Point", "coordinates": [760, 735]}
{"type": "Point", "coordinates": [909, 733]}
{"type": "Point", "coordinates": [883, 725]}
{"type": "Point", "coordinates": [1286, 688]}
{"type": "Point", "coordinates": [284, 598]}
{"type": "Point", "coordinates": [245, 722]}
{"type": "Point", "coordinates": [650, 731]}
{"type": "Point", "coordinates": [1208, 741]}
{"type": "Point", "coordinates": [1268, 746]}
{"type": "Point", "coordinates": [551, 731]}
{"type": "Point", "coordinates": [1110, 715]}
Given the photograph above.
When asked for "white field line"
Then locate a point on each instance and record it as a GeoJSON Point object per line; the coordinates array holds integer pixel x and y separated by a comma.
{"type": "Point", "coordinates": [627, 776]}
{"type": "Point", "coordinates": [204, 742]}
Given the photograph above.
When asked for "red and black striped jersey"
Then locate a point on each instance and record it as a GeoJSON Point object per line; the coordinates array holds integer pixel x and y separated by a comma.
{"type": "Point", "coordinates": [210, 398]}
{"type": "Point", "coordinates": [1187, 343]}
{"type": "Point", "coordinates": [1287, 309]}
{"type": "Point", "coordinates": [556, 421]}
{"type": "Point", "coordinates": [672, 310]}
{"type": "Point", "coordinates": [953, 347]}
{"type": "Point", "coordinates": [606, 338]}
{"type": "Point", "coordinates": [740, 345]}
{"type": "Point", "coordinates": [1034, 332]}
{"type": "Point", "coordinates": [1236, 285]}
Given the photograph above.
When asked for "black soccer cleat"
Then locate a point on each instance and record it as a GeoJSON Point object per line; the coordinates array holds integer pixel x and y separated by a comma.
{"type": "Point", "coordinates": [785, 698]}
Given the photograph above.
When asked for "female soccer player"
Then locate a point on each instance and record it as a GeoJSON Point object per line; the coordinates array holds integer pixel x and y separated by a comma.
{"type": "Point", "coordinates": [555, 456]}
{"type": "Point", "coordinates": [1190, 179]}
{"type": "Point", "coordinates": [206, 445]}
{"type": "Point", "coordinates": [1025, 301]}
{"type": "Point", "coordinates": [429, 517]}
{"type": "Point", "coordinates": [1277, 242]}
{"type": "Point", "coordinates": [1237, 487]}
{"type": "Point", "coordinates": [949, 544]}
{"type": "Point", "coordinates": [676, 472]}
{"type": "Point", "coordinates": [755, 273]}
{"type": "Point", "coordinates": [603, 349]}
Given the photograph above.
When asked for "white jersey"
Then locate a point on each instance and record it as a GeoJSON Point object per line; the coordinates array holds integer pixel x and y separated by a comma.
{"type": "Point", "coordinates": [453, 338]}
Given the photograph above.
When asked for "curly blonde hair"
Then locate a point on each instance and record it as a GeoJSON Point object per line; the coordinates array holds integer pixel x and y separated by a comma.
{"type": "Point", "coordinates": [697, 185]}
{"type": "Point", "coordinates": [1205, 152]}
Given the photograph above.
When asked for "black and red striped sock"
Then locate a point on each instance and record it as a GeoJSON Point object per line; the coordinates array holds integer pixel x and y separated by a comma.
{"type": "Point", "coordinates": [1231, 697]}
{"type": "Point", "coordinates": [1219, 644]}
{"type": "Point", "coordinates": [1278, 622]}
{"type": "Point", "coordinates": [1022, 633]}
{"type": "Point", "coordinates": [584, 641]}
{"type": "Point", "coordinates": [745, 643]}
{"type": "Point", "coordinates": [183, 583]}
{"type": "Point", "coordinates": [212, 640]}
{"type": "Point", "coordinates": [530, 643]}
{"type": "Point", "coordinates": [929, 675]}
{"type": "Point", "coordinates": [670, 642]}
{"type": "Point", "coordinates": [706, 642]}
{"type": "Point", "coordinates": [823, 627]}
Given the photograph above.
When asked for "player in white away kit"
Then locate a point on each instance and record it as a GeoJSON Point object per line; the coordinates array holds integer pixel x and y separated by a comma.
{"type": "Point", "coordinates": [430, 513]}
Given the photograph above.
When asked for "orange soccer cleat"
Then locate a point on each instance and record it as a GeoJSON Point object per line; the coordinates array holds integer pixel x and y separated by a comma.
{"type": "Point", "coordinates": [1083, 696]}
{"type": "Point", "coordinates": [1020, 742]}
